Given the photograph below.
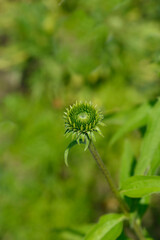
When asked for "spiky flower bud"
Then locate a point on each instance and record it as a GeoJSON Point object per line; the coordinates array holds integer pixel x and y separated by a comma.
{"type": "Point", "coordinates": [82, 120]}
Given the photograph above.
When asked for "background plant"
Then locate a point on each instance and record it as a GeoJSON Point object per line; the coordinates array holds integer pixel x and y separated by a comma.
{"type": "Point", "coordinates": [50, 56]}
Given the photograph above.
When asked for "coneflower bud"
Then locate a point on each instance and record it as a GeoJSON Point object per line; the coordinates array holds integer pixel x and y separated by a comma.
{"type": "Point", "coordinates": [82, 120]}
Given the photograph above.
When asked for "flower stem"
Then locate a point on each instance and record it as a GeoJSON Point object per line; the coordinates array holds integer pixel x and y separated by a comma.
{"type": "Point", "coordinates": [114, 189]}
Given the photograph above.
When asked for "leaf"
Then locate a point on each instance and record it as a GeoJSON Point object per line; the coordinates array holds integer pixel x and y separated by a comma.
{"type": "Point", "coordinates": [126, 163]}
{"type": "Point", "coordinates": [140, 186]}
{"type": "Point", "coordinates": [109, 227]}
{"type": "Point", "coordinates": [151, 141]}
{"type": "Point", "coordinates": [137, 119]}
{"type": "Point", "coordinates": [155, 163]}
{"type": "Point", "coordinates": [72, 144]}
{"type": "Point", "coordinates": [68, 233]}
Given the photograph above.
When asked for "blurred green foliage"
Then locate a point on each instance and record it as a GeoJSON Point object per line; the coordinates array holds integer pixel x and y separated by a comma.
{"type": "Point", "coordinates": [51, 54]}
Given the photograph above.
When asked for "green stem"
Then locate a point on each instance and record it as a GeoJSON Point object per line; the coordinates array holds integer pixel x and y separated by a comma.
{"type": "Point", "coordinates": [108, 177]}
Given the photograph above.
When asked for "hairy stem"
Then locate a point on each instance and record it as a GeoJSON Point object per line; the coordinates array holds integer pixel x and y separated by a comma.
{"type": "Point", "coordinates": [114, 189]}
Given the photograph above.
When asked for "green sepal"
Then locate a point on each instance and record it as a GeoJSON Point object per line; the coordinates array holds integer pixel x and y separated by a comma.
{"type": "Point", "coordinates": [93, 136]}
{"type": "Point", "coordinates": [87, 142]}
{"type": "Point", "coordinates": [74, 135]}
{"type": "Point", "coordinates": [99, 131]}
{"type": "Point", "coordinates": [102, 124]}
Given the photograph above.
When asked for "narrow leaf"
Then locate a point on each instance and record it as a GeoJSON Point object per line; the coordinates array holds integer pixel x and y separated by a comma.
{"type": "Point", "coordinates": [155, 164]}
{"type": "Point", "coordinates": [108, 228]}
{"type": "Point", "coordinates": [137, 119]}
{"type": "Point", "coordinates": [151, 141]}
{"type": "Point", "coordinates": [69, 232]}
{"type": "Point", "coordinates": [126, 163]}
{"type": "Point", "coordinates": [72, 144]}
{"type": "Point", "coordinates": [140, 186]}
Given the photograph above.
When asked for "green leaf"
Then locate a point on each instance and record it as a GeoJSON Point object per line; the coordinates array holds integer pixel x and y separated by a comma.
{"type": "Point", "coordinates": [155, 163]}
{"type": "Point", "coordinates": [140, 186]}
{"type": "Point", "coordinates": [151, 141]}
{"type": "Point", "coordinates": [72, 144]}
{"type": "Point", "coordinates": [126, 163]}
{"type": "Point", "coordinates": [137, 119]}
{"type": "Point", "coordinates": [68, 233]}
{"type": "Point", "coordinates": [109, 227]}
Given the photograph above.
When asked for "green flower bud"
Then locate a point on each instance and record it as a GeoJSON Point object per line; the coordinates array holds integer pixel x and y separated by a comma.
{"type": "Point", "coordinates": [82, 120]}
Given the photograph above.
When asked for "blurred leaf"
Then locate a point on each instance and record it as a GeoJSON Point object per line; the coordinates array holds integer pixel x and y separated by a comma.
{"type": "Point", "coordinates": [140, 186]}
{"type": "Point", "coordinates": [109, 227]}
{"type": "Point", "coordinates": [137, 119]}
{"type": "Point", "coordinates": [150, 142]}
{"type": "Point", "coordinates": [155, 163]}
{"type": "Point", "coordinates": [69, 233]}
{"type": "Point", "coordinates": [72, 233]}
{"type": "Point", "coordinates": [126, 163]}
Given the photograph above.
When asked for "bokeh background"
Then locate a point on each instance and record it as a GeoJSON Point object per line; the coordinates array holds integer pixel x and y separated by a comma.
{"type": "Point", "coordinates": [53, 53]}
